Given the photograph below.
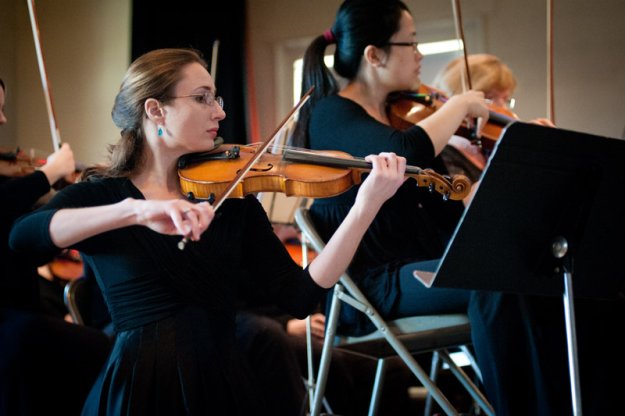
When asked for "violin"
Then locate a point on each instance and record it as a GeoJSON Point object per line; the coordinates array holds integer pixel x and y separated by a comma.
{"type": "Point", "coordinates": [406, 108]}
{"type": "Point", "coordinates": [15, 163]}
{"type": "Point", "coordinates": [68, 265]}
{"type": "Point", "coordinates": [306, 173]}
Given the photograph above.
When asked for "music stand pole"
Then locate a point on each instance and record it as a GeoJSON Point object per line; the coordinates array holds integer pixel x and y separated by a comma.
{"type": "Point", "coordinates": [560, 249]}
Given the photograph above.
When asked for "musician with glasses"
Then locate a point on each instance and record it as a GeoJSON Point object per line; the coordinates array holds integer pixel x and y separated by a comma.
{"type": "Point", "coordinates": [496, 80]}
{"type": "Point", "coordinates": [376, 54]}
{"type": "Point", "coordinates": [174, 310]}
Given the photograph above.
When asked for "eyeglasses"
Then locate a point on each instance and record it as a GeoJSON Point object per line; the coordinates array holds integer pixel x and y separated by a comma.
{"type": "Point", "coordinates": [207, 98]}
{"type": "Point", "coordinates": [508, 103]}
{"type": "Point", "coordinates": [415, 45]}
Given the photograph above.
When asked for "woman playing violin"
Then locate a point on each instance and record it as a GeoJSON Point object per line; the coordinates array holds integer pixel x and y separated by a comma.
{"type": "Point", "coordinates": [497, 81]}
{"type": "Point", "coordinates": [173, 310]}
{"type": "Point", "coordinates": [377, 52]}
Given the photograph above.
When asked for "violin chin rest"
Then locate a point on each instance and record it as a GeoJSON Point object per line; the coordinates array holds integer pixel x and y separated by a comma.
{"type": "Point", "coordinates": [218, 142]}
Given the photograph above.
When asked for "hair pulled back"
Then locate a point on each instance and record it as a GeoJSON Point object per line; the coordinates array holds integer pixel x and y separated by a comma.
{"type": "Point", "coordinates": [152, 75]}
{"type": "Point", "coordinates": [358, 23]}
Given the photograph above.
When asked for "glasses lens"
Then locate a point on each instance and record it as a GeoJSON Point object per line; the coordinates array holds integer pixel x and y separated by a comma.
{"type": "Point", "coordinates": [219, 101]}
{"type": "Point", "coordinates": [511, 103]}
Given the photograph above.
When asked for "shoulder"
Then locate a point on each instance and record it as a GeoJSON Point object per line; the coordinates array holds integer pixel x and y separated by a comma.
{"type": "Point", "coordinates": [334, 103]}
{"type": "Point", "coordinates": [95, 191]}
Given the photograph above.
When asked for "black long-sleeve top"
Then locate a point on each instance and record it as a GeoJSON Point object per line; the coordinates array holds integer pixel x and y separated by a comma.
{"type": "Point", "coordinates": [174, 310]}
{"type": "Point", "coordinates": [19, 285]}
{"type": "Point", "coordinates": [412, 225]}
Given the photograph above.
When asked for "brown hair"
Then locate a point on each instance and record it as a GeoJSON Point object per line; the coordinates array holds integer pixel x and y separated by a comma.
{"type": "Point", "coordinates": [152, 75]}
{"type": "Point", "coordinates": [487, 73]}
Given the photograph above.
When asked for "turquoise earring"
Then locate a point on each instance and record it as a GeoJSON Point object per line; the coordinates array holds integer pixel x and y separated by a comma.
{"type": "Point", "coordinates": [160, 131]}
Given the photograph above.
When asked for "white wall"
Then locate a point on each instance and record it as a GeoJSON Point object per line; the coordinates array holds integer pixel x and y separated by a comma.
{"type": "Point", "coordinates": [589, 50]}
{"type": "Point", "coordinates": [86, 46]}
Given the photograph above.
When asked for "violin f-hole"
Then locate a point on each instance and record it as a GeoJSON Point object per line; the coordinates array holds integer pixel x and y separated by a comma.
{"type": "Point", "coordinates": [266, 168]}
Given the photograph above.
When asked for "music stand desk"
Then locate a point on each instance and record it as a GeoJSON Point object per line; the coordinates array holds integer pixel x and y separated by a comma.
{"type": "Point", "coordinates": [542, 188]}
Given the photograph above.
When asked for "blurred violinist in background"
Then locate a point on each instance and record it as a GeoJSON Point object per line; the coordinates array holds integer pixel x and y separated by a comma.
{"type": "Point", "coordinates": [498, 83]}
{"type": "Point", "coordinates": [42, 357]}
{"type": "Point", "coordinates": [519, 339]}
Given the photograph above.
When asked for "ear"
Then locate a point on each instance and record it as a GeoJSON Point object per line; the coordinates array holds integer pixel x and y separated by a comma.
{"type": "Point", "coordinates": [153, 109]}
{"type": "Point", "coordinates": [374, 56]}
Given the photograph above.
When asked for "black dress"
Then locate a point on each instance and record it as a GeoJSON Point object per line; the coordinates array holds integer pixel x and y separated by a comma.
{"type": "Point", "coordinates": [46, 364]}
{"type": "Point", "coordinates": [173, 310]}
{"type": "Point", "coordinates": [413, 225]}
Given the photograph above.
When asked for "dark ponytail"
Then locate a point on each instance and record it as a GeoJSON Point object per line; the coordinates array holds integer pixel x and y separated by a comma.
{"type": "Point", "coordinates": [358, 23]}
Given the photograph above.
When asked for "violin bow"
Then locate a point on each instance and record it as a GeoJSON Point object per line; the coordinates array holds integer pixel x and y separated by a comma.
{"type": "Point", "coordinates": [56, 135]}
{"type": "Point", "coordinates": [259, 152]}
{"type": "Point", "coordinates": [466, 75]}
{"type": "Point", "coordinates": [215, 53]}
{"type": "Point", "coordinates": [550, 89]}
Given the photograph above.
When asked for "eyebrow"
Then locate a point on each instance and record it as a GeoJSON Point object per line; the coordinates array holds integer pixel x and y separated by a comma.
{"type": "Point", "coordinates": [205, 88]}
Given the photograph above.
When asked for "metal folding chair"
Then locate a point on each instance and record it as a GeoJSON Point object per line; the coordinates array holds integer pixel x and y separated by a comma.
{"type": "Point", "coordinates": [402, 338]}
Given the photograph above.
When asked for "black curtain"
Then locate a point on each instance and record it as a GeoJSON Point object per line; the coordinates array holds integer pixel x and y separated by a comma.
{"type": "Point", "coordinates": [197, 24]}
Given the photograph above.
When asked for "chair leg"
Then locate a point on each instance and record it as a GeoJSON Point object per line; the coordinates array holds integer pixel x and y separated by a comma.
{"type": "Point", "coordinates": [326, 354]}
{"type": "Point", "coordinates": [472, 361]}
{"type": "Point", "coordinates": [377, 387]}
{"type": "Point", "coordinates": [469, 386]}
{"type": "Point", "coordinates": [435, 367]}
{"type": "Point", "coordinates": [412, 364]}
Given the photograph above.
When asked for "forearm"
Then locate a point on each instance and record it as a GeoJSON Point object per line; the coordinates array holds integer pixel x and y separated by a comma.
{"type": "Point", "coordinates": [334, 259]}
{"type": "Point", "coordinates": [72, 225]}
{"type": "Point", "coordinates": [386, 176]}
{"type": "Point", "coordinates": [441, 125]}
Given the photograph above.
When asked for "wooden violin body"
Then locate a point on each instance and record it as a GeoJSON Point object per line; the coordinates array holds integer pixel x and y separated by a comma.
{"type": "Point", "coordinates": [67, 266]}
{"type": "Point", "coordinates": [312, 174]}
{"type": "Point", "coordinates": [269, 174]}
{"type": "Point", "coordinates": [407, 108]}
{"type": "Point", "coordinates": [17, 163]}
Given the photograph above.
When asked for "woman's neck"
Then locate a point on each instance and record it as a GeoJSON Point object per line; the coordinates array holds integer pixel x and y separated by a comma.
{"type": "Point", "coordinates": [158, 178]}
{"type": "Point", "coordinates": [371, 98]}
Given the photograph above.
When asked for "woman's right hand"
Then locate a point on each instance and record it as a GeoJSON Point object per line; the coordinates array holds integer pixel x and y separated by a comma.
{"type": "Point", "coordinates": [476, 107]}
{"type": "Point", "coordinates": [59, 164]}
{"type": "Point", "coordinates": [175, 217]}
{"type": "Point", "coordinates": [441, 125]}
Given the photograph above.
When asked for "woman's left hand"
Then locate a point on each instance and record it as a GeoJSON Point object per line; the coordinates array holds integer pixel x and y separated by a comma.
{"type": "Point", "coordinates": [385, 178]}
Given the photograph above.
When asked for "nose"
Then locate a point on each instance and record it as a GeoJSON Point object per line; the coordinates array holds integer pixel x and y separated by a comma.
{"type": "Point", "coordinates": [499, 101]}
{"type": "Point", "coordinates": [418, 54]}
{"type": "Point", "coordinates": [218, 113]}
{"type": "Point", "coordinates": [3, 118]}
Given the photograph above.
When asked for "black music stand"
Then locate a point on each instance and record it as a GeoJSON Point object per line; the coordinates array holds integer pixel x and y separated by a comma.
{"type": "Point", "coordinates": [547, 219]}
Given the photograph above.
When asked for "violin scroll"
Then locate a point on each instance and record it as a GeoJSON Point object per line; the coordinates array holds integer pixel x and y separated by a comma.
{"type": "Point", "coordinates": [456, 187]}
